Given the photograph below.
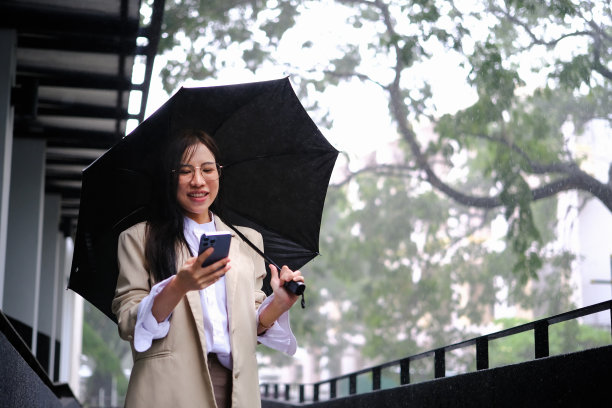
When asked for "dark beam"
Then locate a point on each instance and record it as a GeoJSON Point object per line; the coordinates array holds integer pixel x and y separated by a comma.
{"type": "Point", "coordinates": [80, 143]}
{"type": "Point", "coordinates": [71, 206]}
{"type": "Point", "coordinates": [74, 79]}
{"type": "Point", "coordinates": [90, 43]}
{"type": "Point", "coordinates": [65, 192]}
{"type": "Point", "coordinates": [122, 57]}
{"type": "Point", "coordinates": [154, 33]}
{"type": "Point", "coordinates": [79, 138]}
{"type": "Point", "coordinates": [43, 18]}
{"type": "Point", "coordinates": [57, 108]}
{"type": "Point", "coordinates": [69, 159]}
{"type": "Point", "coordinates": [53, 176]}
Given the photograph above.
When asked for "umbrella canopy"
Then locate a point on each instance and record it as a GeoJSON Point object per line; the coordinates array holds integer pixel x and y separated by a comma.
{"type": "Point", "coordinates": [276, 170]}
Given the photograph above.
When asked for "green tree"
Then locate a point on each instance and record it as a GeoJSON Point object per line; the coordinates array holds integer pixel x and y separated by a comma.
{"type": "Point", "coordinates": [105, 350]}
{"type": "Point", "coordinates": [401, 275]}
{"type": "Point", "coordinates": [569, 336]}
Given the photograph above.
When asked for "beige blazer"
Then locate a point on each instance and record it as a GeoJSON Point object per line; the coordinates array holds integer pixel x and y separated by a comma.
{"type": "Point", "coordinates": [174, 371]}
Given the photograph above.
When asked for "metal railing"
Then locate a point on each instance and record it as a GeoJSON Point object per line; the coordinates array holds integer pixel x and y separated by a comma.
{"type": "Point", "coordinates": [541, 349]}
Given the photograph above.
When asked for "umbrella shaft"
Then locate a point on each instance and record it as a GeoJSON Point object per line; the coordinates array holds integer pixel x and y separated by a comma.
{"type": "Point", "coordinates": [297, 288]}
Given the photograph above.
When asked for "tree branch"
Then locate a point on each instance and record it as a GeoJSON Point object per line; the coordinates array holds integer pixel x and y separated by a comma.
{"type": "Point", "coordinates": [597, 64]}
{"type": "Point", "coordinates": [391, 170]}
{"type": "Point", "coordinates": [537, 41]}
{"type": "Point", "coordinates": [344, 75]}
{"type": "Point", "coordinates": [536, 167]}
{"type": "Point", "coordinates": [576, 179]}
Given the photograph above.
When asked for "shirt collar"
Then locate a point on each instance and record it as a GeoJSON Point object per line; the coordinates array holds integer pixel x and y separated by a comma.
{"type": "Point", "coordinates": [193, 228]}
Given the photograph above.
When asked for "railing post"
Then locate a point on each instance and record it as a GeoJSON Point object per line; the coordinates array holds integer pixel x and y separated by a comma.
{"type": "Point", "coordinates": [302, 393]}
{"type": "Point", "coordinates": [287, 393]}
{"type": "Point", "coordinates": [352, 384]}
{"type": "Point", "coordinates": [315, 396]}
{"type": "Point", "coordinates": [540, 332]}
{"type": "Point", "coordinates": [482, 353]}
{"type": "Point", "coordinates": [266, 390]}
{"type": "Point", "coordinates": [333, 390]}
{"type": "Point", "coordinates": [405, 371]}
{"type": "Point", "coordinates": [376, 378]}
{"type": "Point", "coordinates": [439, 363]}
{"type": "Point", "coordinates": [275, 391]}
{"type": "Point", "coordinates": [610, 303]}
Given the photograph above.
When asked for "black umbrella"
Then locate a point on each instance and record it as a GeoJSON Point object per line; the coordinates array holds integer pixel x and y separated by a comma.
{"type": "Point", "coordinates": [276, 169]}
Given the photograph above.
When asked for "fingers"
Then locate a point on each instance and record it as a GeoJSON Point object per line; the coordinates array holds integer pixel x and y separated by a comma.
{"type": "Point", "coordinates": [195, 277]}
{"type": "Point", "coordinates": [211, 274]}
{"type": "Point", "coordinates": [204, 255]}
{"type": "Point", "coordinates": [286, 274]}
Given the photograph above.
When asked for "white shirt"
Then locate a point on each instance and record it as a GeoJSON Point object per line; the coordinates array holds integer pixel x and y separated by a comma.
{"type": "Point", "coordinates": [214, 307]}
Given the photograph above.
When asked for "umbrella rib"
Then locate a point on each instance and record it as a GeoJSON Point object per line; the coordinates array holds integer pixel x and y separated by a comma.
{"type": "Point", "coordinates": [270, 156]}
{"type": "Point", "coordinates": [115, 225]}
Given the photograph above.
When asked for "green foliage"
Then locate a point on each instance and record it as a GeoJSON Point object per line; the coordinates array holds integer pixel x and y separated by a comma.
{"type": "Point", "coordinates": [572, 74]}
{"type": "Point", "coordinates": [95, 347]}
{"type": "Point", "coordinates": [366, 282]}
{"type": "Point", "coordinates": [195, 34]}
{"type": "Point", "coordinates": [492, 80]}
{"type": "Point", "coordinates": [566, 337]}
{"type": "Point", "coordinates": [104, 348]}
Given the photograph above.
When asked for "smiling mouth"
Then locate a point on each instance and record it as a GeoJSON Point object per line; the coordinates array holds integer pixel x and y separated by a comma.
{"type": "Point", "coordinates": [198, 194]}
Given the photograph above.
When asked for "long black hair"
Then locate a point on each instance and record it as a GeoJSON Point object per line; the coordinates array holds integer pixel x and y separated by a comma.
{"type": "Point", "coordinates": [164, 237]}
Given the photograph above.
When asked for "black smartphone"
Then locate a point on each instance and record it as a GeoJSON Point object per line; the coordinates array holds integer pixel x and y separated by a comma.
{"type": "Point", "coordinates": [220, 241]}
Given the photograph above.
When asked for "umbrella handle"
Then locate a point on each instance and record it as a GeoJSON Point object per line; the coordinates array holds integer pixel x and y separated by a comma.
{"type": "Point", "coordinates": [294, 287]}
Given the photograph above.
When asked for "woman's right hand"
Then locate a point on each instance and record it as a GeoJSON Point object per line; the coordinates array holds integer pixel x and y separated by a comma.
{"type": "Point", "coordinates": [192, 276]}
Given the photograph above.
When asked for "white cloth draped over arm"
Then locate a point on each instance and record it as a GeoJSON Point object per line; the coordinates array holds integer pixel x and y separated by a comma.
{"type": "Point", "coordinates": [147, 328]}
{"type": "Point", "coordinates": [279, 336]}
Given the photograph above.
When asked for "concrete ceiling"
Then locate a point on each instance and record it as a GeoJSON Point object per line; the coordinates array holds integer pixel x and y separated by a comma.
{"type": "Point", "coordinates": [74, 78]}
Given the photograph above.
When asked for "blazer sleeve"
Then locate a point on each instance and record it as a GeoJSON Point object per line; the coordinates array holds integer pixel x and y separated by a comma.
{"type": "Point", "coordinates": [134, 281]}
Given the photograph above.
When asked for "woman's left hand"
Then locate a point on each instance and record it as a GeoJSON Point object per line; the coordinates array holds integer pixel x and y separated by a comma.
{"type": "Point", "coordinates": [283, 299]}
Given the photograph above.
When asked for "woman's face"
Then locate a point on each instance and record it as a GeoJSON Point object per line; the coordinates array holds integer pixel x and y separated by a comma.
{"type": "Point", "coordinates": [196, 190]}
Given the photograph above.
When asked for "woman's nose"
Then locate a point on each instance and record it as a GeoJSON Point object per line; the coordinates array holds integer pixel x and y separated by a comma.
{"type": "Point", "coordinates": [198, 178]}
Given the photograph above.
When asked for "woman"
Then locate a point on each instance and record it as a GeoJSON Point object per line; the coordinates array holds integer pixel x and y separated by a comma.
{"type": "Point", "coordinates": [194, 329]}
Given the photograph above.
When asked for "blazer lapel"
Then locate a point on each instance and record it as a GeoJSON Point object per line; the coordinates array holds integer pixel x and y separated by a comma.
{"type": "Point", "coordinates": [195, 305]}
{"type": "Point", "coordinates": [231, 277]}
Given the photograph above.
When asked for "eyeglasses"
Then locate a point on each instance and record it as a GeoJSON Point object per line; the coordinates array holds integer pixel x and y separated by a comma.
{"type": "Point", "coordinates": [208, 171]}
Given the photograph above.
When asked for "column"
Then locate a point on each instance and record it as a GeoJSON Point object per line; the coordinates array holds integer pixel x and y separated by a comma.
{"type": "Point", "coordinates": [24, 237]}
{"type": "Point", "coordinates": [72, 327]}
{"type": "Point", "coordinates": [8, 41]}
{"type": "Point", "coordinates": [49, 281]}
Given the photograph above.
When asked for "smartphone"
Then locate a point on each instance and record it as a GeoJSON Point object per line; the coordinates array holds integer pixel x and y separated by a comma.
{"type": "Point", "coordinates": [220, 241]}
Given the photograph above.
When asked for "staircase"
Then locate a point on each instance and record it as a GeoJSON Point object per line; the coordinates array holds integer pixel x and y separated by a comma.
{"type": "Point", "coordinates": [23, 381]}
